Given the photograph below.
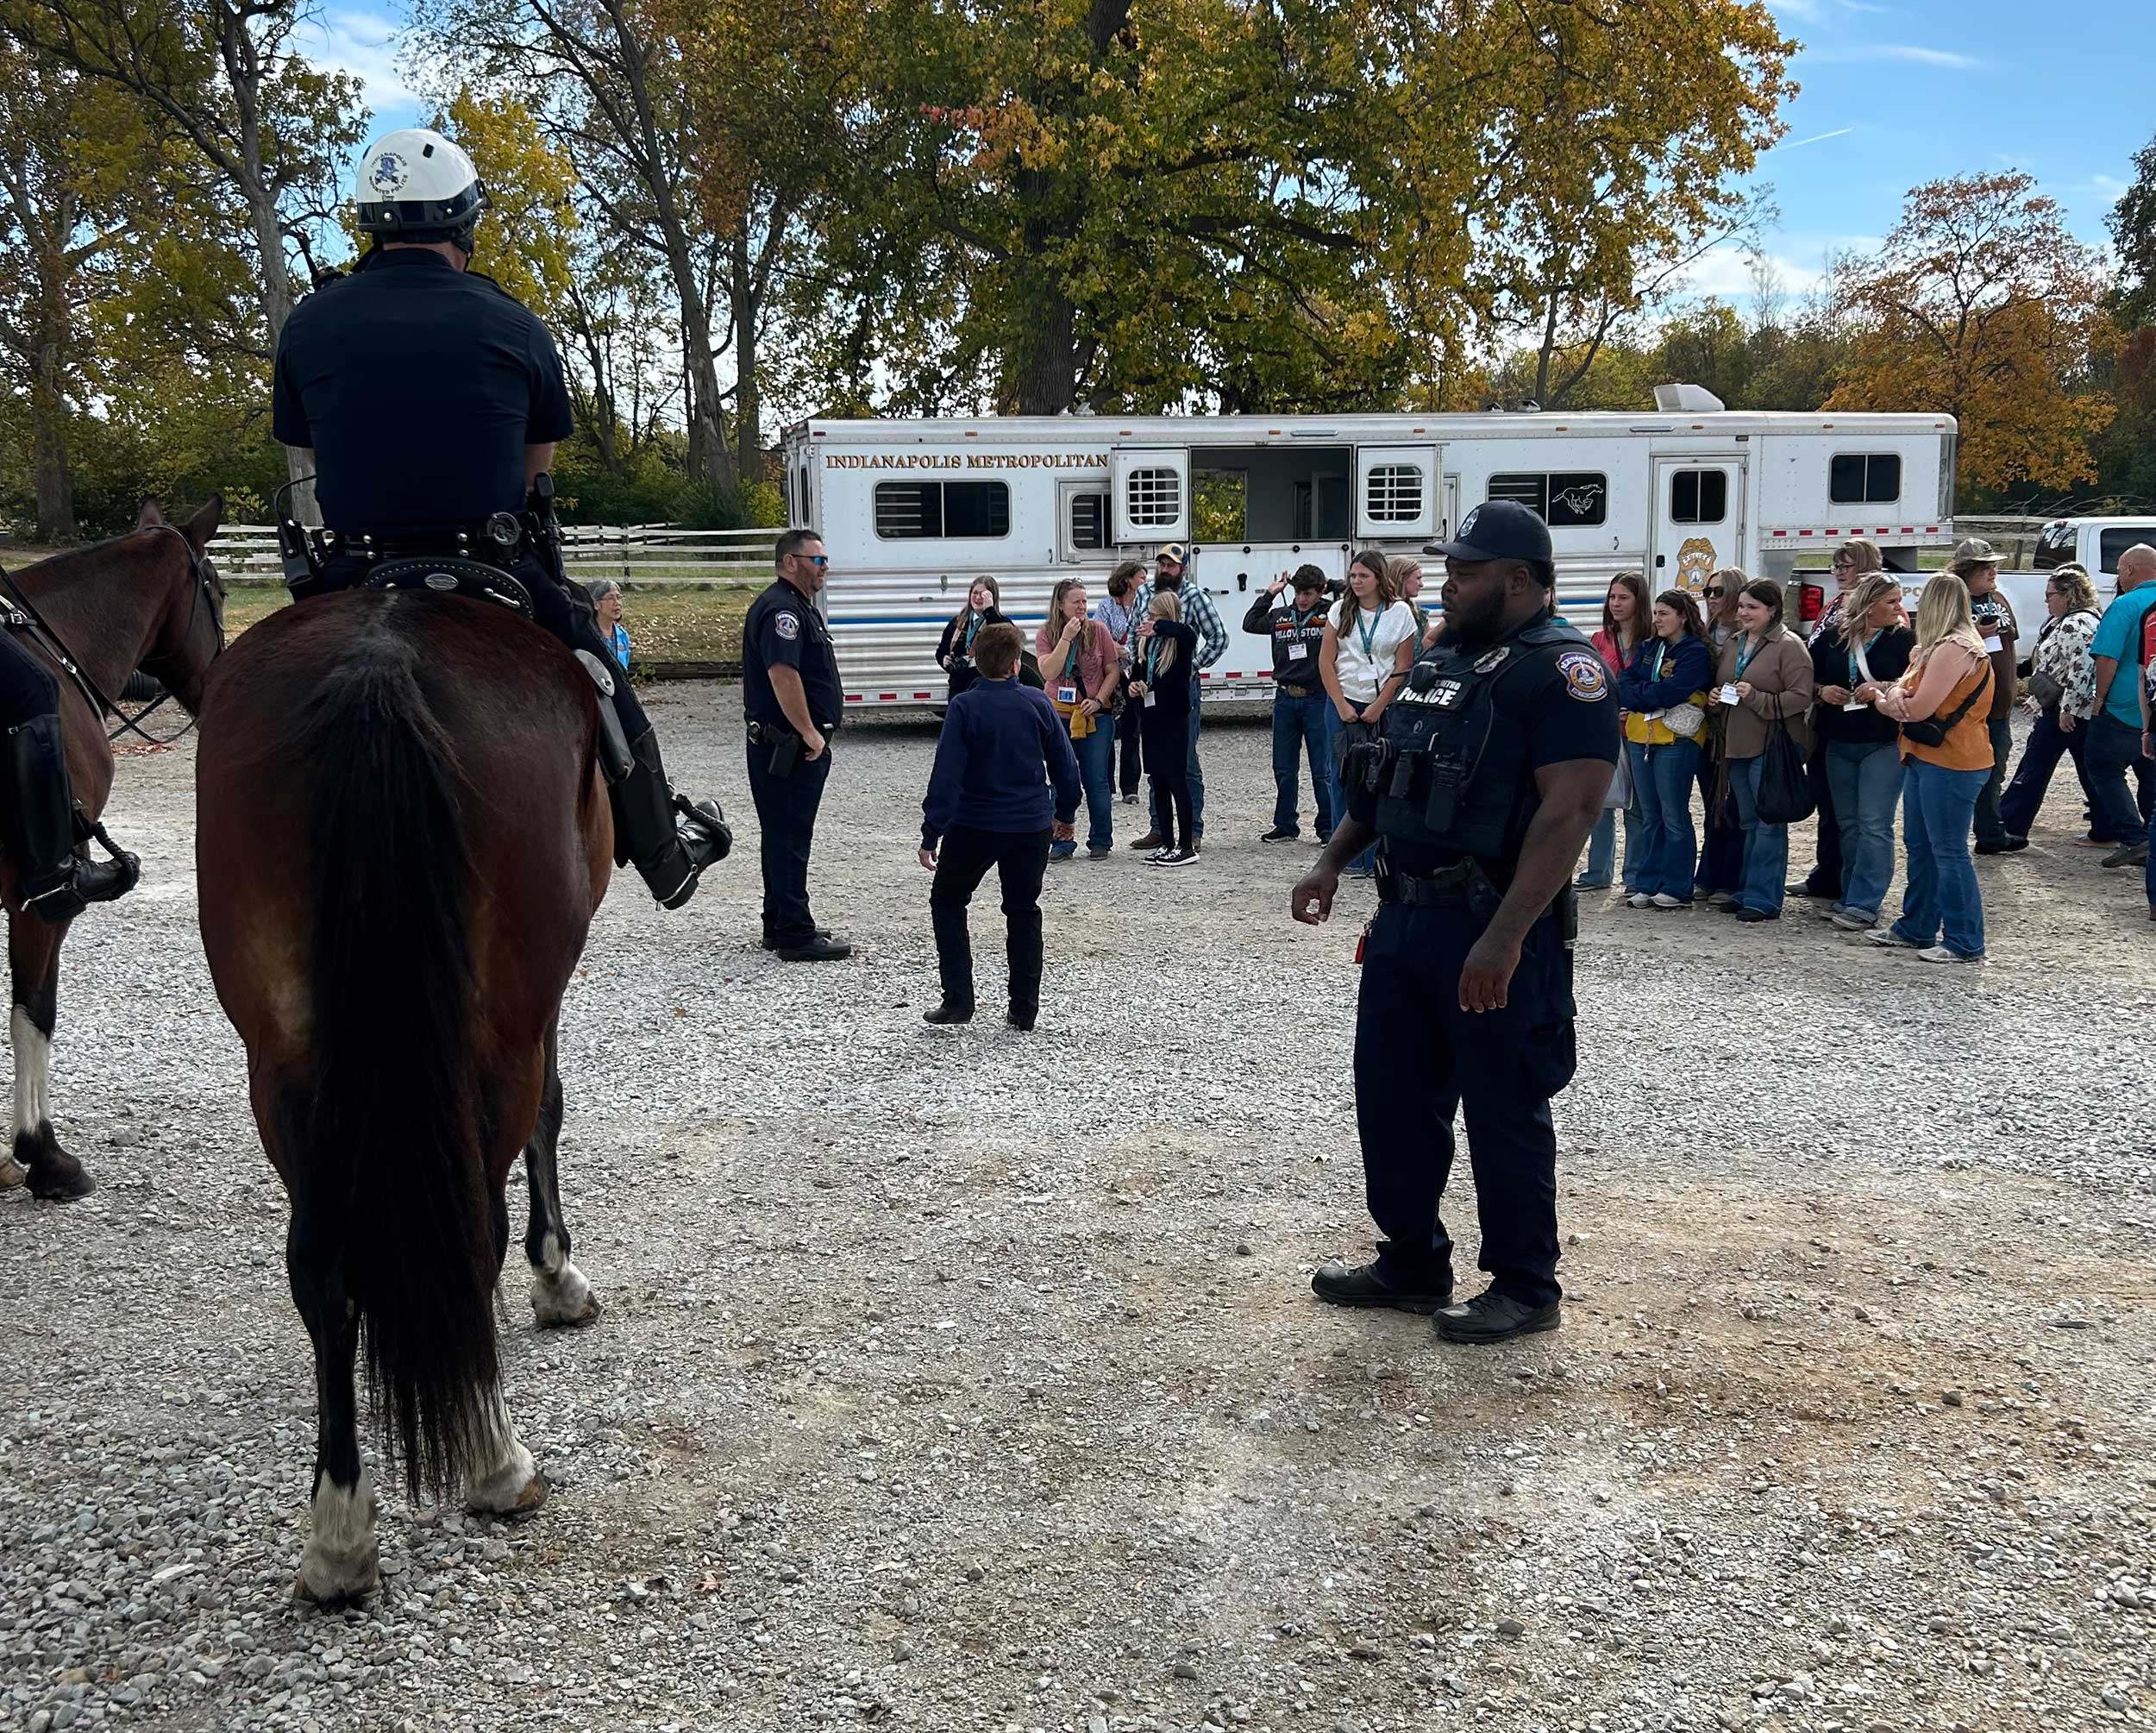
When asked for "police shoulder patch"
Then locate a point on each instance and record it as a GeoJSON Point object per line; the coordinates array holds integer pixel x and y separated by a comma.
{"type": "Point", "coordinates": [1585, 676]}
{"type": "Point", "coordinates": [786, 625]}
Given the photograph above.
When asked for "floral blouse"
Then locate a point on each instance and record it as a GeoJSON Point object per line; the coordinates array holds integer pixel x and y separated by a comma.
{"type": "Point", "coordinates": [2062, 651]}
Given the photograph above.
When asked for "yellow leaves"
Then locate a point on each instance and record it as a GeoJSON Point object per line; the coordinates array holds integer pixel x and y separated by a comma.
{"type": "Point", "coordinates": [524, 240]}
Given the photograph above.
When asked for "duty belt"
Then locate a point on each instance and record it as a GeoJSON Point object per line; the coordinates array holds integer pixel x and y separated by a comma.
{"type": "Point", "coordinates": [491, 540]}
{"type": "Point", "coordinates": [761, 732]}
{"type": "Point", "coordinates": [1462, 885]}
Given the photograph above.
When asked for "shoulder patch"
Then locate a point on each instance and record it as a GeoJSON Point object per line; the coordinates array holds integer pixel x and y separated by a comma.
{"type": "Point", "coordinates": [1585, 676]}
{"type": "Point", "coordinates": [786, 625]}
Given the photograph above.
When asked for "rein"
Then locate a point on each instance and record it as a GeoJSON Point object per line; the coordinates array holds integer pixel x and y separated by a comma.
{"type": "Point", "coordinates": [41, 631]}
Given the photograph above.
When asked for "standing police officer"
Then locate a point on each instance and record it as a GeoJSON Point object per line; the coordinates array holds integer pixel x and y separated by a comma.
{"type": "Point", "coordinates": [1489, 771]}
{"type": "Point", "coordinates": [433, 401]}
{"type": "Point", "coordinates": [789, 686]}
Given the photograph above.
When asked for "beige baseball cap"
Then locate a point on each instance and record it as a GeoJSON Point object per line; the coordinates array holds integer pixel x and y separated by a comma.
{"type": "Point", "coordinates": [1975, 551]}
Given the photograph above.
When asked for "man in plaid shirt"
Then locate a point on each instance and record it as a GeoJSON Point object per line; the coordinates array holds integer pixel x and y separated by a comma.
{"type": "Point", "coordinates": [1203, 617]}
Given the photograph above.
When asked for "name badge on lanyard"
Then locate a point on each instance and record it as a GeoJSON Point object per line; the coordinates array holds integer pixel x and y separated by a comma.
{"type": "Point", "coordinates": [1296, 652]}
{"type": "Point", "coordinates": [1067, 695]}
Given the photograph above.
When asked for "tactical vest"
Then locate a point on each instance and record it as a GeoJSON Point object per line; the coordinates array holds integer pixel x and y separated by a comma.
{"type": "Point", "coordinates": [1297, 670]}
{"type": "Point", "coordinates": [1454, 772]}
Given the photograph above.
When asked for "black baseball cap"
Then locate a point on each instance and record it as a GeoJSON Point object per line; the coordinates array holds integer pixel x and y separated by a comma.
{"type": "Point", "coordinates": [1497, 530]}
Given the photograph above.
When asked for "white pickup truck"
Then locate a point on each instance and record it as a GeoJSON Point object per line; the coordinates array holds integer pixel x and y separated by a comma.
{"type": "Point", "coordinates": [2095, 542]}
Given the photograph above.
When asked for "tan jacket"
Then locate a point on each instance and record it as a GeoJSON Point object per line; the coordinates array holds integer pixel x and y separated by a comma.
{"type": "Point", "coordinates": [1780, 676]}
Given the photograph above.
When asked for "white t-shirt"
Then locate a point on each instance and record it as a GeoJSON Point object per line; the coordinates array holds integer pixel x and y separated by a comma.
{"type": "Point", "coordinates": [1367, 646]}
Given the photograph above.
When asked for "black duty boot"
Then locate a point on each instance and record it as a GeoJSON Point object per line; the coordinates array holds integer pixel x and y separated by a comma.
{"type": "Point", "coordinates": [667, 839]}
{"type": "Point", "coordinates": [1338, 1284]}
{"type": "Point", "coordinates": [949, 1011]}
{"type": "Point", "coordinates": [1491, 1317]}
{"type": "Point", "coordinates": [57, 881]}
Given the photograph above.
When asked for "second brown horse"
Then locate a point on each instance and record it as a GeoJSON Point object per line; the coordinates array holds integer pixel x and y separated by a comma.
{"type": "Point", "coordinates": [402, 837]}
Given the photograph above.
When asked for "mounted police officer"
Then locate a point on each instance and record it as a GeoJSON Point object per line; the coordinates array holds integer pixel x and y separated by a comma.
{"type": "Point", "coordinates": [433, 400]}
{"type": "Point", "coordinates": [1489, 771]}
{"type": "Point", "coordinates": [1302, 713]}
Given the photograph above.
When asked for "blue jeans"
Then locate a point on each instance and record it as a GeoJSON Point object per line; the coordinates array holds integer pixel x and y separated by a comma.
{"type": "Point", "coordinates": [2047, 744]}
{"type": "Point", "coordinates": [1766, 846]}
{"type": "Point", "coordinates": [1197, 780]}
{"type": "Point", "coordinates": [2148, 870]}
{"type": "Point", "coordinates": [1096, 763]}
{"type": "Point", "coordinates": [1302, 727]}
{"type": "Point", "coordinates": [2112, 749]}
{"type": "Point", "coordinates": [1662, 784]}
{"type": "Point", "coordinates": [1938, 811]}
{"type": "Point", "coordinates": [1866, 777]}
{"type": "Point", "coordinates": [1601, 848]}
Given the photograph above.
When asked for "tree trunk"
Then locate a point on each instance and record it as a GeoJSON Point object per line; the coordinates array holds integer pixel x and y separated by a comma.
{"type": "Point", "coordinates": [272, 278]}
{"type": "Point", "coordinates": [48, 419]}
{"type": "Point", "coordinates": [1040, 365]}
{"type": "Point", "coordinates": [709, 460]}
{"type": "Point", "coordinates": [746, 309]}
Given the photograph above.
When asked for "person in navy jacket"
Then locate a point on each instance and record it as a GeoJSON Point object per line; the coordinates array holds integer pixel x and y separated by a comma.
{"type": "Point", "coordinates": [988, 804]}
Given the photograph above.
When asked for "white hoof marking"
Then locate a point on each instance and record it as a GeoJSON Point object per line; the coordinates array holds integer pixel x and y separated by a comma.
{"type": "Point", "coordinates": [341, 1561]}
{"type": "Point", "coordinates": [564, 1297]}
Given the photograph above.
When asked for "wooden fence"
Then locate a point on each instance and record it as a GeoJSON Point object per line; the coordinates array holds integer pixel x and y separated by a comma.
{"type": "Point", "coordinates": [641, 554]}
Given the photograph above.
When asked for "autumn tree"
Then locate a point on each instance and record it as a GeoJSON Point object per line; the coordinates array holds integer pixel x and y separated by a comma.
{"type": "Point", "coordinates": [2132, 222]}
{"type": "Point", "coordinates": [225, 76]}
{"type": "Point", "coordinates": [1982, 304]}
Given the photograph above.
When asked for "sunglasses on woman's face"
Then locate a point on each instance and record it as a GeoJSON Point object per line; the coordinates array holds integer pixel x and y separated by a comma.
{"type": "Point", "coordinates": [1714, 595]}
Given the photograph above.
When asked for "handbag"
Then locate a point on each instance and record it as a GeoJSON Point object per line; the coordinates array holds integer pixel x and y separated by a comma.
{"type": "Point", "coordinates": [1931, 731]}
{"type": "Point", "coordinates": [1683, 720]}
{"type": "Point", "coordinates": [2044, 690]}
{"type": "Point", "coordinates": [1785, 787]}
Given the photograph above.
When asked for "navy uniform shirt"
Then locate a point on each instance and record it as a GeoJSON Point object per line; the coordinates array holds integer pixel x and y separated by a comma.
{"type": "Point", "coordinates": [418, 385]}
{"type": "Point", "coordinates": [1556, 703]}
{"type": "Point", "coordinates": [784, 629]}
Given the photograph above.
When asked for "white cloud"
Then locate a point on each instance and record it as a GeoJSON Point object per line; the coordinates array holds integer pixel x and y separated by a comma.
{"type": "Point", "coordinates": [1725, 274]}
{"type": "Point", "coordinates": [364, 45]}
{"type": "Point", "coordinates": [1906, 53]}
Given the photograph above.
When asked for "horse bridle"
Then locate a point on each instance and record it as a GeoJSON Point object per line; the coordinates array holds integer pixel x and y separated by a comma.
{"type": "Point", "coordinates": [55, 647]}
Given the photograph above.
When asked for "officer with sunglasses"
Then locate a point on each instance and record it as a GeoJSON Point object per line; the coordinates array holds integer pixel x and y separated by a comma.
{"type": "Point", "coordinates": [789, 684]}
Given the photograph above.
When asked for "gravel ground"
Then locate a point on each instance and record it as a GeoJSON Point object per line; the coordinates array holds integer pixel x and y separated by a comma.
{"type": "Point", "coordinates": [963, 1380]}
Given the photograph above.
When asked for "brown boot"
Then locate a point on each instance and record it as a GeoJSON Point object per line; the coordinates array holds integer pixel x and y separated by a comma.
{"type": "Point", "coordinates": [1152, 839]}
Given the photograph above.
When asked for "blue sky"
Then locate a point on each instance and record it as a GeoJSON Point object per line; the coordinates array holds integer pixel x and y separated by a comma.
{"type": "Point", "coordinates": [1894, 92]}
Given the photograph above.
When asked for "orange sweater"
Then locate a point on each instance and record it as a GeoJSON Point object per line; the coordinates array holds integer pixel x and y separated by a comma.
{"type": "Point", "coordinates": [1968, 743]}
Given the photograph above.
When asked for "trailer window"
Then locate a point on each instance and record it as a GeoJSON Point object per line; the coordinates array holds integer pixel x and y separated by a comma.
{"type": "Point", "coordinates": [957, 511]}
{"type": "Point", "coordinates": [1564, 498]}
{"type": "Point", "coordinates": [1392, 494]}
{"type": "Point", "coordinates": [1088, 520]}
{"type": "Point", "coordinates": [1153, 499]}
{"type": "Point", "coordinates": [1699, 496]}
{"type": "Point", "coordinates": [1863, 478]}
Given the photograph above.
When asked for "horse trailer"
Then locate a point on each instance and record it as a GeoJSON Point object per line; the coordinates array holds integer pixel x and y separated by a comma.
{"type": "Point", "coordinates": [912, 510]}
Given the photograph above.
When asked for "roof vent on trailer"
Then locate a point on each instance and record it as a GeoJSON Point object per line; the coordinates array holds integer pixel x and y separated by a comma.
{"type": "Point", "coordinates": [1686, 400]}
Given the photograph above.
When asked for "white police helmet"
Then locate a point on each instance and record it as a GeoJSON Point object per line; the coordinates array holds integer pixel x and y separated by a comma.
{"type": "Point", "coordinates": [414, 184]}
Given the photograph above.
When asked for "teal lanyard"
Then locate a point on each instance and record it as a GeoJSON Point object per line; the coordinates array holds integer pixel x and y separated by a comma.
{"type": "Point", "coordinates": [1070, 662]}
{"type": "Point", "coordinates": [1152, 656]}
{"type": "Point", "coordinates": [1856, 674]}
{"type": "Point", "coordinates": [1744, 657]}
{"type": "Point", "coordinates": [1365, 632]}
{"type": "Point", "coordinates": [1301, 619]}
{"type": "Point", "coordinates": [972, 626]}
{"type": "Point", "coordinates": [1661, 649]}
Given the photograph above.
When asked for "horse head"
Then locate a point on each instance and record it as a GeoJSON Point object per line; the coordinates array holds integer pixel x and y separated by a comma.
{"type": "Point", "coordinates": [189, 630]}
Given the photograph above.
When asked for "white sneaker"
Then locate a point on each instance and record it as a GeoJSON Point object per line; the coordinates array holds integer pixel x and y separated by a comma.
{"type": "Point", "coordinates": [1172, 858]}
{"type": "Point", "coordinates": [1939, 953]}
{"type": "Point", "coordinates": [1662, 899]}
{"type": "Point", "coordinates": [1893, 941]}
{"type": "Point", "coordinates": [1639, 900]}
{"type": "Point", "coordinates": [1157, 856]}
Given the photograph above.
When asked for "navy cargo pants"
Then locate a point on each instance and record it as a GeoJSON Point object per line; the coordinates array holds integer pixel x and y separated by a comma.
{"type": "Point", "coordinates": [1419, 1059]}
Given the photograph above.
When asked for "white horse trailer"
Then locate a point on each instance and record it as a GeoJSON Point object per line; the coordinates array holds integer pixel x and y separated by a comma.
{"type": "Point", "coordinates": [911, 511]}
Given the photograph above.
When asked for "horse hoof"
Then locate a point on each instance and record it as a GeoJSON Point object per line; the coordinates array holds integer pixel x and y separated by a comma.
{"type": "Point", "coordinates": [336, 1579]}
{"type": "Point", "coordinates": [58, 1177]}
{"type": "Point", "coordinates": [563, 1301]}
{"type": "Point", "coordinates": [12, 1173]}
{"type": "Point", "coordinates": [514, 1489]}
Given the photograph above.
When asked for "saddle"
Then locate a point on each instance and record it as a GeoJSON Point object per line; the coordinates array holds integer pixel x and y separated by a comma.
{"type": "Point", "coordinates": [451, 575]}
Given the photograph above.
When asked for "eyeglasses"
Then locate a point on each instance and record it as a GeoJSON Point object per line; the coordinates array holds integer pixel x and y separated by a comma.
{"type": "Point", "coordinates": [1844, 565]}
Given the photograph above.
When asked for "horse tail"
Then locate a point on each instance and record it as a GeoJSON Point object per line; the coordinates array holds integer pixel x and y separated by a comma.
{"type": "Point", "coordinates": [393, 1158]}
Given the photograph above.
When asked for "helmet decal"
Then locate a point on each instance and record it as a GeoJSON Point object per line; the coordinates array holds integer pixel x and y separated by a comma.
{"type": "Point", "coordinates": [390, 173]}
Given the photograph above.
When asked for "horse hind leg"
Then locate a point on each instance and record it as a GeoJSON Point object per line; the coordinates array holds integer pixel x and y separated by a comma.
{"type": "Point", "coordinates": [560, 1293]}
{"type": "Point", "coordinates": [341, 1561]}
{"type": "Point", "coordinates": [33, 965]}
{"type": "Point", "coordinates": [507, 1482]}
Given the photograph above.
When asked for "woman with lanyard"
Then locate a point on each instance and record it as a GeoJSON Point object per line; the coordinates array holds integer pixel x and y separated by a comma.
{"type": "Point", "coordinates": [1625, 627]}
{"type": "Point", "coordinates": [955, 654]}
{"type": "Point", "coordinates": [1079, 665]}
{"type": "Point", "coordinates": [1369, 635]}
{"type": "Point", "coordinates": [1871, 643]}
{"type": "Point", "coordinates": [1118, 610]}
{"type": "Point", "coordinates": [1664, 691]}
{"type": "Point", "coordinates": [1764, 677]}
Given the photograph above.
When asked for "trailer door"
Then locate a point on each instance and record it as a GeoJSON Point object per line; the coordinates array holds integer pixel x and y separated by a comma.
{"type": "Point", "coordinates": [1698, 525]}
{"type": "Point", "coordinates": [1151, 487]}
{"type": "Point", "coordinates": [1396, 493]}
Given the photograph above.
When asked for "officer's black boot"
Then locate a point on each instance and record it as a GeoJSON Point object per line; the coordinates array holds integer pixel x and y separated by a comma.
{"type": "Point", "coordinates": [668, 838]}
{"type": "Point", "coordinates": [55, 880]}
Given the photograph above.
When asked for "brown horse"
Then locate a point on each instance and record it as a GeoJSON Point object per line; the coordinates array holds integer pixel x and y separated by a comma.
{"type": "Point", "coordinates": [150, 601]}
{"type": "Point", "coordinates": [402, 837]}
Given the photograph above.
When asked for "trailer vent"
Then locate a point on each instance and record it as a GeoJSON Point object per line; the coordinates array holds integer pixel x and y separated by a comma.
{"type": "Point", "coordinates": [1153, 499]}
{"type": "Point", "coordinates": [1392, 494]}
